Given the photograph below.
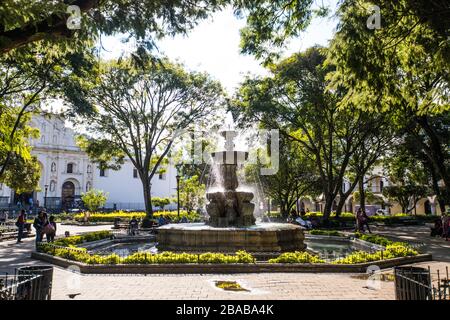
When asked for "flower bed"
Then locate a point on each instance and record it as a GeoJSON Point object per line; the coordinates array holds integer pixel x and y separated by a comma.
{"type": "Point", "coordinates": [81, 255]}
{"type": "Point", "coordinates": [64, 248]}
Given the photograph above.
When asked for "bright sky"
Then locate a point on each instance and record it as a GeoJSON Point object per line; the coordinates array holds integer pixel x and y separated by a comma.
{"type": "Point", "coordinates": [213, 46]}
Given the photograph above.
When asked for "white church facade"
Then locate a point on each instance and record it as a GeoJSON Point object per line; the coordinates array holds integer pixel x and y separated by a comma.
{"type": "Point", "coordinates": [67, 172]}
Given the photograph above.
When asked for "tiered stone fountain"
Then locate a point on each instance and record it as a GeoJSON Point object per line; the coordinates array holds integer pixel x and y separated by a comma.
{"type": "Point", "coordinates": [231, 224]}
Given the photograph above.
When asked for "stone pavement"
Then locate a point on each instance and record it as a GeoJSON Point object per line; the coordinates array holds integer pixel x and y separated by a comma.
{"type": "Point", "coordinates": [284, 286]}
{"type": "Point", "coordinates": [301, 286]}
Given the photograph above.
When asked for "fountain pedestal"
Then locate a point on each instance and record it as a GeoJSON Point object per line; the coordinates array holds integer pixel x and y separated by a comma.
{"type": "Point", "coordinates": [263, 238]}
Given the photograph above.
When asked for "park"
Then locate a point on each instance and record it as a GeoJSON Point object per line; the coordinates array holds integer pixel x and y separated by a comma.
{"type": "Point", "coordinates": [224, 150]}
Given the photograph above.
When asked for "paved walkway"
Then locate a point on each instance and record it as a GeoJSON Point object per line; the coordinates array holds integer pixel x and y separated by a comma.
{"type": "Point", "coordinates": [419, 236]}
{"type": "Point", "coordinates": [14, 255]}
{"type": "Point", "coordinates": [262, 286]}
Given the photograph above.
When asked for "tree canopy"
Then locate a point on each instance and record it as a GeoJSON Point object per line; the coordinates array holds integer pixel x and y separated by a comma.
{"type": "Point", "coordinates": [138, 110]}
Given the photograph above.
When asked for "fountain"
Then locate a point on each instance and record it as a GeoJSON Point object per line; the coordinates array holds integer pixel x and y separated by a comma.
{"type": "Point", "coordinates": [232, 225]}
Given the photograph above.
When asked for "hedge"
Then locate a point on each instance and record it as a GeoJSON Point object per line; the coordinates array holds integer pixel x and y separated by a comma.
{"type": "Point", "coordinates": [110, 217]}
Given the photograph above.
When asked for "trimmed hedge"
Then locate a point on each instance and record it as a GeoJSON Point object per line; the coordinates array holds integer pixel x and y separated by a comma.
{"type": "Point", "coordinates": [395, 250]}
{"type": "Point", "coordinates": [88, 237]}
{"type": "Point", "coordinates": [110, 217]}
{"type": "Point", "coordinates": [81, 255]}
{"type": "Point", "coordinates": [296, 257]}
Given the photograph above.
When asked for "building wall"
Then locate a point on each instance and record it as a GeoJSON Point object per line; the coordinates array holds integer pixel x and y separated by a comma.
{"type": "Point", "coordinates": [125, 191]}
{"type": "Point", "coordinates": [56, 148]}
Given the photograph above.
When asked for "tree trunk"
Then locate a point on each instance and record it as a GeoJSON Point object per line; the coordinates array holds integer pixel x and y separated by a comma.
{"type": "Point", "coordinates": [362, 194]}
{"type": "Point", "coordinates": [340, 205]}
{"type": "Point", "coordinates": [147, 197]}
{"type": "Point", "coordinates": [328, 206]}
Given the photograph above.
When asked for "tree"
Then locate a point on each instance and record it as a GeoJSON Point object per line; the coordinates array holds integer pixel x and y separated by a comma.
{"type": "Point", "coordinates": [409, 180]}
{"type": "Point", "coordinates": [192, 193]}
{"type": "Point", "coordinates": [406, 195]}
{"type": "Point", "coordinates": [140, 109]}
{"type": "Point", "coordinates": [402, 68]}
{"type": "Point", "coordinates": [295, 178]}
{"type": "Point", "coordinates": [94, 199]}
{"type": "Point", "coordinates": [22, 174]}
{"type": "Point", "coordinates": [161, 202]}
{"type": "Point", "coordinates": [27, 23]}
{"type": "Point", "coordinates": [297, 102]}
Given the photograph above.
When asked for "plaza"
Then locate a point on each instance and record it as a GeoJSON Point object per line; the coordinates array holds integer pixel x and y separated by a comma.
{"type": "Point", "coordinates": [224, 150]}
{"type": "Point", "coordinates": [262, 286]}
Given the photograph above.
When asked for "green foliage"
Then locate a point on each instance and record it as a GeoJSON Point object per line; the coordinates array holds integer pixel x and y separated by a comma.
{"type": "Point", "coordinates": [296, 176]}
{"type": "Point", "coordinates": [400, 70]}
{"type": "Point", "coordinates": [395, 250]}
{"type": "Point", "coordinates": [44, 23]}
{"type": "Point", "coordinates": [404, 194]}
{"type": "Point", "coordinates": [192, 193]}
{"type": "Point", "coordinates": [22, 174]}
{"type": "Point", "coordinates": [382, 241]}
{"type": "Point", "coordinates": [100, 151]}
{"type": "Point", "coordinates": [296, 257]}
{"type": "Point", "coordinates": [81, 255]}
{"type": "Point", "coordinates": [88, 237]}
{"type": "Point", "coordinates": [295, 100]}
{"type": "Point", "coordinates": [271, 22]}
{"type": "Point", "coordinates": [110, 217]}
{"type": "Point", "coordinates": [94, 199]}
{"type": "Point", "coordinates": [161, 202]}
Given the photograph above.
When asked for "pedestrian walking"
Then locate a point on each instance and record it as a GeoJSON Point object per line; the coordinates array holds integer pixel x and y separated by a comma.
{"type": "Point", "coordinates": [20, 223]}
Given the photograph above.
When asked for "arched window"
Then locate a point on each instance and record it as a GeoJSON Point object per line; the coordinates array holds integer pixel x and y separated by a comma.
{"type": "Point", "coordinates": [89, 168]}
{"type": "Point", "coordinates": [53, 168]}
{"type": "Point", "coordinates": [88, 186]}
{"type": "Point", "coordinates": [70, 167]}
{"type": "Point", "coordinates": [102, 172]}
{"type": "Point", "coordinates": [43, 139]}
{"type": "Point", "coordinates": [381, 185]}
{"type": "Point", "coordinates": [52, 185]}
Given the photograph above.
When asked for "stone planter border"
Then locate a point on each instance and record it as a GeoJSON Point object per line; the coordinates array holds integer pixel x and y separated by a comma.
{"type": "Point", "coordinates": [259, 267]}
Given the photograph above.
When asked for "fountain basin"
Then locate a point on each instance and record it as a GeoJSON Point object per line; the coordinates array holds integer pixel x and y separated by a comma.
{"type": "Point", "coordinates": [259, 238]}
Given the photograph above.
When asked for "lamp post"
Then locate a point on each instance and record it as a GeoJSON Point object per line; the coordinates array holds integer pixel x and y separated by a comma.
{"type": "Point", "coordinates": [178, 195]}
{"type": "Point", "coordinates": [45, 196]}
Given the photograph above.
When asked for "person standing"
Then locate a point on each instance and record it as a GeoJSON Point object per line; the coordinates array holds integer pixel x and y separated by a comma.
{"type": "Point", "coordinates": [134, 225]}
{"type": "Point", "coordinates": [365, 221]}
{"type": "Point", "coordinates": [38, 224]}
{"type": "Point", "coordinates": [359, 220]}
{"type": "Point", "coordinates": [20, 223]}
{"type": "Point", "coordinates": [445, 225]}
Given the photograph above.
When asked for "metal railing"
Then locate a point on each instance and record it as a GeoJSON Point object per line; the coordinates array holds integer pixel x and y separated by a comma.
{"type": "Point", "coordinates": [421, 284]}
{"type": "Point", "coordinates": [21, 287]}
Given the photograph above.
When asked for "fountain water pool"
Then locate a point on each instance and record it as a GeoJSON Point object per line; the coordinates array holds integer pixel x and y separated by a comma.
{"type": "Point", "coordinates": [232, 225]}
